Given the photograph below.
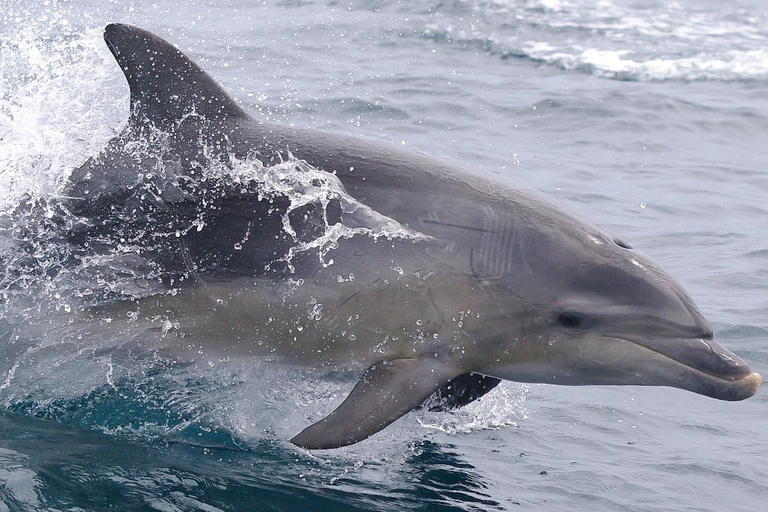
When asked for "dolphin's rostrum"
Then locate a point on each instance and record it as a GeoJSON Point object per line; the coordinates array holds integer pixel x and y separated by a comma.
{"type": "Point", "coordinates": [480, 281]}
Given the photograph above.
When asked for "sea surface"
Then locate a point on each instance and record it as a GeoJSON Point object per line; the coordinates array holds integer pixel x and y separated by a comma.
{"type": "Point", "coordinates": [649, 118]}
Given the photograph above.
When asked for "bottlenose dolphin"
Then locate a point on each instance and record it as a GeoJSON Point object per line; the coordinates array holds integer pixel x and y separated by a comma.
{"type": "Point", "coordinates": [432, 280]}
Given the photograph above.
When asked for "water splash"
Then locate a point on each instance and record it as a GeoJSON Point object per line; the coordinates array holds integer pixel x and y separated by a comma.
{"type": "Point", "coordinates": [58, 107]}
{"type": "Point", "coordinates": [503, 406]}
{"type": "Point", "coordinates": [60, 85]}
{"type": "Point", "coordinates": [59, 103]}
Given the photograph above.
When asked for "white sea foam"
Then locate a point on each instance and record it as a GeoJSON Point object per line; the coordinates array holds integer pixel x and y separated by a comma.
{"type": "Point", "coordinates": [59, 104]}
{"type": "Point", "coordinates": [613, 40]}
{"type": "Point", "coordinates": [728, 65]}
{"type": "Point", "coordinates": [503, 406]}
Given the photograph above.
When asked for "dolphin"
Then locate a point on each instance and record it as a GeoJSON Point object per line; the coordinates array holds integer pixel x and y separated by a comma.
{"type": "Point", "coordinates": [432, 281]}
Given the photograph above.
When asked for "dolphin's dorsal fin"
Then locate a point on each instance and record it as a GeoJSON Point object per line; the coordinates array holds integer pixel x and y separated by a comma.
{"type": "Point", "coordinates": [165, 84]}
{"type": "Point", "coordinates": [385, 392]}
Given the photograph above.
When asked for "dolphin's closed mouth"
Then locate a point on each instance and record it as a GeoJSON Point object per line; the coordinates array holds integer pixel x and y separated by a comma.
{"type": "Point", "coordinates": [706, 367]}
{"type": "Point", "coordinates": [731, 390]}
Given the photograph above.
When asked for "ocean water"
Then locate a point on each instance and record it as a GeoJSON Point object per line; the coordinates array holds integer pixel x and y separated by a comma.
{"type": "Point", "coordinates": [649, 118]}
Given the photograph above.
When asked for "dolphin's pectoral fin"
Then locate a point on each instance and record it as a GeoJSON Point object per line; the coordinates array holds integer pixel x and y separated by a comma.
{"type": "Point", "coordinates": [386, 391]}
{"type": "Point", "coordinates": [460, 391]}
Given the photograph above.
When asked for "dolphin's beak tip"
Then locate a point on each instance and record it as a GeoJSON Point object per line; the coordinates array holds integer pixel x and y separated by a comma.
{"type": "Point", "coordinates": [746, 387]}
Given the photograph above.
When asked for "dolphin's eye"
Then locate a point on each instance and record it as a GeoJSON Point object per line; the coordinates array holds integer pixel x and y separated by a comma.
{"type": "Point", "coordinates": [571, 320]}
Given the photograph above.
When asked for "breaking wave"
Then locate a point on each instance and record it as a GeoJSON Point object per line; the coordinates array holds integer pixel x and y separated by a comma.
{"type": "Point", "coordinates": [650, 41]}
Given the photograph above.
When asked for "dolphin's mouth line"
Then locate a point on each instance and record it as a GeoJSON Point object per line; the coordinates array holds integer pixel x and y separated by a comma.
{"type": "Point", "coordinates": [755, 378]}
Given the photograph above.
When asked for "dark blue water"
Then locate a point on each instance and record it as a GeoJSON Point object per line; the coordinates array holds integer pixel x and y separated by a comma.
{"type": "Point", "coordinates": [648, 118]}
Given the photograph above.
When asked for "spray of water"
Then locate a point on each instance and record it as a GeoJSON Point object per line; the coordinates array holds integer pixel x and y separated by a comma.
{"type": "Point", "coordinates": [61, 100]}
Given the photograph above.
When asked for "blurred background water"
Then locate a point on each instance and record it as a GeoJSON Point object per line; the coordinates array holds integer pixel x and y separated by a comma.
{"type": "Point", "coordinates": [650, 118]}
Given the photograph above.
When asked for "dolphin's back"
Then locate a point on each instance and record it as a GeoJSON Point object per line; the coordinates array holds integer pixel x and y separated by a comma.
{"type": "Point", "coordinates": [170, 92]}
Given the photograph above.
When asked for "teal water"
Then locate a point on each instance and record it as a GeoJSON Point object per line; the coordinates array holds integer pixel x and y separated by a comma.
{"type": "Point", "coordinates": [648, 118]}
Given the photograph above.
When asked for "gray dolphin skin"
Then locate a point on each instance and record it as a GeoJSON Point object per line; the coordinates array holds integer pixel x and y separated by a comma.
{"type": "Point", "coordinates": [431, 281]}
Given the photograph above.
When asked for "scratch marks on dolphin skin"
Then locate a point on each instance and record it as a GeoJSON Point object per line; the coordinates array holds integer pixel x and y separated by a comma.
{"type": "Point", "coordinates": [429, 221]}
{"type": "Point", "coordinates": [502, 245]}
{"type": "Point", "coordinates": [347, 299]}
